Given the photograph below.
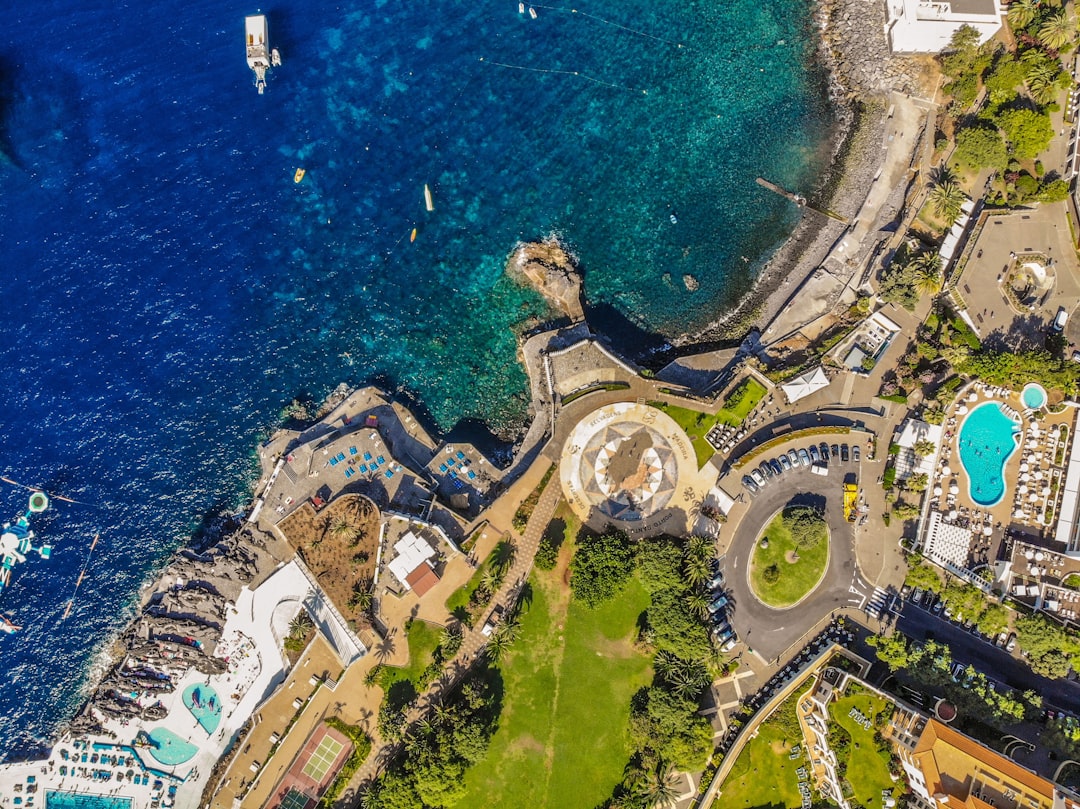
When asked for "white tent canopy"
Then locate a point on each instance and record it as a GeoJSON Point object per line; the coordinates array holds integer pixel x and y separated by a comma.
{"type": "Point", "coordinates": [805, 384]}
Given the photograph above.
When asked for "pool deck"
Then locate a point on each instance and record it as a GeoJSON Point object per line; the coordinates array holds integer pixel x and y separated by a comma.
{"type": "Point", "coordinates": [242, 688]}
{"type": "Point", "coordinates": [1015, 513]}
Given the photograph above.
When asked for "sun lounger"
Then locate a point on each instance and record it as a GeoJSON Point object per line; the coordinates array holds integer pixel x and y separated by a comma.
{"type": "Point", "coordinates": [352, 450]}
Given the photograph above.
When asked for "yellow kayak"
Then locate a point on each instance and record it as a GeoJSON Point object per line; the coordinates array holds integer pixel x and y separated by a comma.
{"type": "Point", "coordinates": [299, 175]}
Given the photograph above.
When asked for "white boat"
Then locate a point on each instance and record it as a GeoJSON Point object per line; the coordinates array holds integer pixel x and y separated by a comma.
{"type": "Point", "coordinates": [532, 12]}
{"type": "Point", "coordinates": [259, 59]}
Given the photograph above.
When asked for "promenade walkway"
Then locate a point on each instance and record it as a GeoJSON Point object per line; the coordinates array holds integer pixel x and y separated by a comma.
{"type": "Point", "coordinates": [473, 642]}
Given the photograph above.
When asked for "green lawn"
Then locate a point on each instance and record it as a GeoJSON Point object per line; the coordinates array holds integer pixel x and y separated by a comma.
{"type": "Point", "coordinates": [458, 602]}
{"type": "Point", "coordinates": [796, 579]}
{"type": "Point", "coordinates": [763, 776]}
{"type": "Point", "coordinates": [868, 762]}
{"type": "Point", "coordinates": [697, 424]}
{"type": "Point", "coordinates": [422, 639]}
{"type": "Point", "coordinates": [562, 739]}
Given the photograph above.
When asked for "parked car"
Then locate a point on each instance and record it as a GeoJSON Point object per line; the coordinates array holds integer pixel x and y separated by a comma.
{"type": "Point", "coordinates": [939, 605]}
{"type": "Point", "coordinates": [824, 451]}
{"type": "Point", "coordinates": [1002, 638]}
{"type": "Point", "coordinates": [785, 461]}
{"type": "Point", "coordinates": [726, 635]}
{"type": "Point", "coordinates": [793, 456]}
{"type": "Point", "coordinates": [834, 450]}
{"type": "Point", "coordinates": [855, 453]}
{"type": "Point", "coordinates": [844, 453]}
{"type": "Point", "coordinates": [721, 624]}
{"type": "Point", "coordinates": [766, 470]}
{"type": "Point", "coordinates": [718, 604]}
{"type": "Point", "coordinates": [804, 459]}
{"type": "Point", "coordinates": [759, 479]}
{"type": "Point", "coordinates": [716, 581]}
{"type": "Point", "coordinates": [1010, 645]}
{"type": "Point", "coordinates": [815, 456]}
{"type": "Point", "coordinates": [750, 484]}
{"type": "Point", "coordinates": [916, 597]}
{"type": "Point", "coordinates": [776, 467]}
{"type": "Point", "coordinates": [905, 591]}
{"type": "Point", "coordinates": [729, 644]}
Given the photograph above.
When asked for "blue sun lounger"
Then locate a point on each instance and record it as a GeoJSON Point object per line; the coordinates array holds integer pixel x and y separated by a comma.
{"type": "Point", "coordinates": [333, 461]}
{"type": "Point", "coordinates": [352, 450]}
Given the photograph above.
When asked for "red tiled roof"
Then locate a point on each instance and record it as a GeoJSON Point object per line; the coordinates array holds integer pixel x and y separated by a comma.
{"type": "Point", "coordinates": [422, 579]}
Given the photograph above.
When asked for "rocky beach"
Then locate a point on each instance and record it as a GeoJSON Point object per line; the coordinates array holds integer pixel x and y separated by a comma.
{"type": "Point", "coordinates": [862, 72]}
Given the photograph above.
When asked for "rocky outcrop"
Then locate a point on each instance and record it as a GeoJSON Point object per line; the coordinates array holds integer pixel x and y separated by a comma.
{"type": "Point", "coordinates": [550, 269]}
{"type": "Point", "coordinates": [179, 628]}
{"type": "Point", "coordinates": [856, 50]}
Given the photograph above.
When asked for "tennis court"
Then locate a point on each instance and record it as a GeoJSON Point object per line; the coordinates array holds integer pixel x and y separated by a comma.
{"type": "Point", "coordinates": [295, 799]}
{"type": "Point", "coordinates": [322, 759]}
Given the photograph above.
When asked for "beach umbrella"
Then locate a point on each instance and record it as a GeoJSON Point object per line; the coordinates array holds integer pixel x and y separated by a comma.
{"type": "Point", "coordinates": [988, 530]}
{"type": "Point", "coordinates": [1024, 467]}
{"type": "Point", "coordinates": [973, 397]}
{"type": "Point", "coordinates": [937, 491]}
{"type": "Point", "coordinates": [945, 470]}
{"type": "Point", "coordinates": [1022, 489]}
{"type": "Point", "coordinates": [1037, 474]}
{"type": "Point", "coordinates": [962, 410]}
{"type": "Point", "coordinates": [952, 514]}
{"type": "Point", "coordinates": [953, 488]}
{"type": "Point", "coordinates": [1033, 498]}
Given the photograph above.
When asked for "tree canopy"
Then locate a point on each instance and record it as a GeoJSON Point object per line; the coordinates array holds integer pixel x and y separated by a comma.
{"type": "Point", "coordinates": [981, 147]}
{"type": "Point", "coordinates": [600, 567]}
{"type": "Point", "coordinates": [807, 526]}
{"type": "Point", "coordinates": [1051, 650]}
{"type": "Point", "coordinates": [1027, 131]}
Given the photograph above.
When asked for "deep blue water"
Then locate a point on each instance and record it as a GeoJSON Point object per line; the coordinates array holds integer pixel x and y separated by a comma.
{"type": "Point", "coordinates": [167, 288]}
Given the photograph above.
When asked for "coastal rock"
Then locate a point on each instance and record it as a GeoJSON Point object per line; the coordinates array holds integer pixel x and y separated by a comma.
{"type": "Point", "coordinates": [691, 283]}
{"type": "Point", "coordinates": [550, 269]}
{"type": "Point", "coordinates": [179, 628]}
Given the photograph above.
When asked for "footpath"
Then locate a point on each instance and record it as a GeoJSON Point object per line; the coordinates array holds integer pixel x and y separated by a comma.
{"type": "Point", "coordinates": [472, 645]}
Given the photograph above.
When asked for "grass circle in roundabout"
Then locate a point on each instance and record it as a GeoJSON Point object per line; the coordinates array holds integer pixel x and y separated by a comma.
{"type": "Point", "coordinates": [781, 574]}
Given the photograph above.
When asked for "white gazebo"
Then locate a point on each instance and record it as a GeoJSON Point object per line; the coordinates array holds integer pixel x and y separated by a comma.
{"type": "Point", "coordinates": [805, 384]}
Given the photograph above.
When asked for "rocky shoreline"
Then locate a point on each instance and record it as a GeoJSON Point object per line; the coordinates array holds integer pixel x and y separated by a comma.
{"type": "Point", "coordinates": [184, 611]}
{"type": "Point", "coordinates": [861, 71]}
{"type": "Point", "coordinates": [179, 627]}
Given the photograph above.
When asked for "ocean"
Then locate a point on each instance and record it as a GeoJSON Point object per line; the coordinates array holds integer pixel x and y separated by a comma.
{"type": "Point", "coordinates": [168, 288]}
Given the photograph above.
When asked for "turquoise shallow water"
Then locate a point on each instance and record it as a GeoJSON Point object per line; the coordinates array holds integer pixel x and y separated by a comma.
{"type": "Point", "coordinates": [168, 288]}
{"type": "Point", "coordinates": [986, 442]}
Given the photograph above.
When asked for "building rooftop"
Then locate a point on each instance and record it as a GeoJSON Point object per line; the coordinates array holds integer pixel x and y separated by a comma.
{"type": "Point", "coordinates": [961, 772]}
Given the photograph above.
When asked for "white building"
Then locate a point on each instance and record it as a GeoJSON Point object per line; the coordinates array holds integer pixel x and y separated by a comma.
{"type": "Point", "coordinates": [919, 26]}
{"type": "Point", "coordinates": [946, 543]}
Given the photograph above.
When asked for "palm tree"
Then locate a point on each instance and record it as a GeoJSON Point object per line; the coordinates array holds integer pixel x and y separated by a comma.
{"type": "Point", "coordinates": [342, 528]}
{"type": "Point", "coordinates": [1057, 31]}
{"type": "Point", "coordinates": [1022, 12]}
{"type": "Point", "coordinates": [491, 579]}
{"type": "Point", "coordinates": [946, 198]}
{"type": "Point", "coordinates": [660, 787]}
{"type": "Point", "coordinates": [664, 664]}
{"type": "Point", "coordinates": [699, 547]}
{"type": "Point", "coordinates": [924, 448]}
{"type": "Point", "coordinates": [497, 646]}
{"type": "Point", "coordinates": [927, 269]}
{"type": "Point", "coordinates": [1042, 81]}
{"type": "Point", "coordinates": [698, 603]}
{"type": "Point", "coordinates": [450, 641]}
{"type": "Point", "coordinates": [505, 554]}
{"type": "Point", "coordinates": [696, 570]}
{"type": "Point", "coordinates": [299, 626]}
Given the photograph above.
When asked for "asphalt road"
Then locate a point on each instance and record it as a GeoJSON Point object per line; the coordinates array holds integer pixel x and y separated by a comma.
{"type": "Point", "coordinates": [995, 663]}
{"type": "Point", "coordinates": [770, 632]}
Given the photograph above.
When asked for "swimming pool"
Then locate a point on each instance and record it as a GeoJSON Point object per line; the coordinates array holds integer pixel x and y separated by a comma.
{"type": "Point", "coordinates": [986, 442]}
{"type": "Point", "coordinates": [205, 706]}
{"type": "Point", "coordinates": [1033, 395]}
{"type": "Point", "coordinates": [170, 749]}
{"type": "Point", "coordinates": [69, 800]}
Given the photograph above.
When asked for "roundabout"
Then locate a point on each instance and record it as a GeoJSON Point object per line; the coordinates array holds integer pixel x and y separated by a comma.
{"type": "Point", "coordinates": [784, 570]}
{"type": "Point", "coordinates": [771, 630]}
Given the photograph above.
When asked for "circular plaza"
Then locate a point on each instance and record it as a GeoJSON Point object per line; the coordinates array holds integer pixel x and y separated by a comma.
{"type": "Point", "coordinates": [630, 465]}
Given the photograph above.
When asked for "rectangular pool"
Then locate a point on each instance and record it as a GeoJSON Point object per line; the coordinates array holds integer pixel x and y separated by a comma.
{"type": "Point", "coordinates": [69, 800]}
